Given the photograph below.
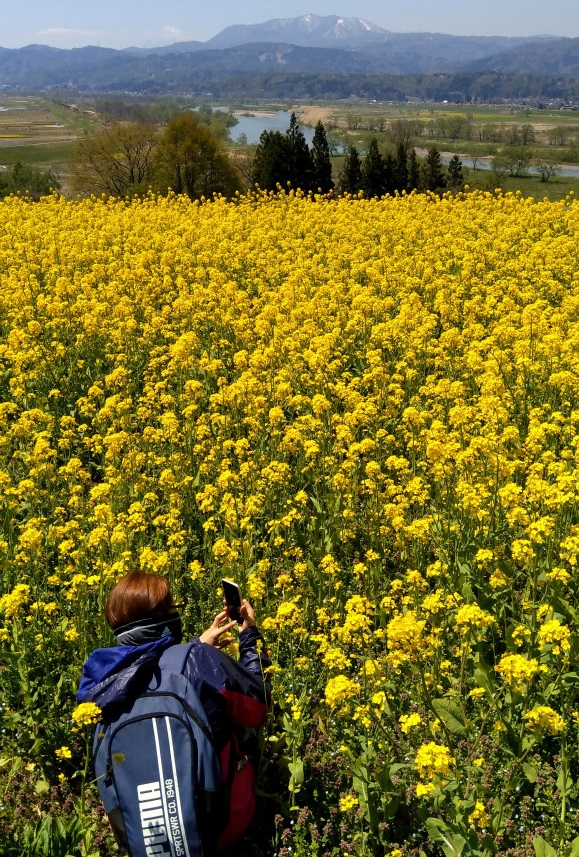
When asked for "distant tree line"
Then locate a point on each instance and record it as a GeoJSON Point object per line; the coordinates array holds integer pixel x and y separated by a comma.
{"type": "Point", "coordinates": [160, 111]}
{"type": "Point", "coordinates": [188, 157]}
{"type": "Point", "coordinates": [478, 87]}
{"type": "Point", "coordinates": [377, 174]}
{"type": "Point", "coordinates": [286, 160]}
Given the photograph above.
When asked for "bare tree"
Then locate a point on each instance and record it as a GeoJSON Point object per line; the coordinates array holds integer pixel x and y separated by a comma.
{"type": "Point", "coordinates": [116, 161]}
{"type": "Point", "coordinates": [545, 167]}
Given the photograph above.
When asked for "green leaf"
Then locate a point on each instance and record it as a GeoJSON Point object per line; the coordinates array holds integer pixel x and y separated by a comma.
{"type": "Point", "coordinates": [296, 770]}
{"type": "Point", "coordinates": [574, 850]}
{"type": "Point", "coordinates": [531, 773]}
{"type": "Point", "coordinates": [42, 787]}
{"type": "Point", "coordinates": [467, 592]}
{"type": "Point", "coordinates": [483, 679]}
{"type": "Point", "coordinates": [453, 844]}
{"type": "Point", "coordinates": [564, 782]}
{"type": "Point", "coordinates": [397, 766]}
{"type": "Point", "coordinates": [383, 780]}
{"type": "Point", "coordinates": [542, 848]}
{"type": "Point", "coordinates": [450, 714]}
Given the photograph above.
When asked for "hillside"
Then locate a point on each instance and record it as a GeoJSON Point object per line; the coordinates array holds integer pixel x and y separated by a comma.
{"type": "Point", "coordinates": [307, 46]}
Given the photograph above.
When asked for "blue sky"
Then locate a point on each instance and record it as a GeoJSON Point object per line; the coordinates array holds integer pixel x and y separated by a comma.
{"type": "Point", "coordinates": [121, 23]}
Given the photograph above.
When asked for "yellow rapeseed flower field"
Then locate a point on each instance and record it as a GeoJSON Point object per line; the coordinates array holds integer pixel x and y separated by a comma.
{"type": "Point", "coordinates": [366, 413]}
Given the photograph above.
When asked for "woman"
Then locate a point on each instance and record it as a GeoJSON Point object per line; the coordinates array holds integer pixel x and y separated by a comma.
{"type": "Point", "coordinates": [234, 695]}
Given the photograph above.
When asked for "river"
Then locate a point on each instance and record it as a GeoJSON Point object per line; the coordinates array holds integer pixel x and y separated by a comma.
{"type": "Point", "coordinates": [252, 126]}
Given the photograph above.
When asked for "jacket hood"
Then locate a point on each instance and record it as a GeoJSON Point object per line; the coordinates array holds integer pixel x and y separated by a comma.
{"type": "Point", "coordinates": [110, 676]}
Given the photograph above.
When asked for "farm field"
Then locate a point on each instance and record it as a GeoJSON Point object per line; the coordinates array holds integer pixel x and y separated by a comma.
{"type": "Point", "coordinates": [40, 132]}
{"type": "Point", "coordinates": [366, 413]}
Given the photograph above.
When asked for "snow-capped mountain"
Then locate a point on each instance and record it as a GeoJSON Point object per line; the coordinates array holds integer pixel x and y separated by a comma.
{"type": "Point", "coordinates": [309, 31]}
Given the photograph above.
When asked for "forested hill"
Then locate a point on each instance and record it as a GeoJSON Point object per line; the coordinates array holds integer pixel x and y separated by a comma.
{"type": "Point", "coordinates": [559, 57]}
{"type": "Point", "coordinates": [310, 57]}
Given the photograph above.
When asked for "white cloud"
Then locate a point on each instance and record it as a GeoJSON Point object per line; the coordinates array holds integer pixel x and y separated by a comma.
{"type": "Point", "coordinates": [172, 34]}
{"type": "Point", "coordinates": [167, 35]}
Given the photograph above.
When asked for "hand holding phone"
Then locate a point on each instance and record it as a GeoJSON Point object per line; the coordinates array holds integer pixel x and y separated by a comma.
{"type": "Point", "coordinates": [232, 598]}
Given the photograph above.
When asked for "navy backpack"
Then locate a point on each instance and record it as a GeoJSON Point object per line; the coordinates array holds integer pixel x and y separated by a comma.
{"type": "Point", "coordinates": [157, 769]}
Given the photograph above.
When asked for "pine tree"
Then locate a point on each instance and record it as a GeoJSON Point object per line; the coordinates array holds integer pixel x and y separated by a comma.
{"type": "Point", "coordinates": [351, 176]}
{"type": "Point", "coordinates": [413, 171]}
{"type": "Point", "coordinates": [390, 172]}
{"type": "Point", "coordinates": [321, 160]}
{"type": "Point", "coordinates": [432, 172]}
{"type": "Point", "coordinates": [300, 167]}
{"type": "Point", "coordinates": [270, 166]}
{"type": "Point", "coordinates": [401, 168]}
{"type": "Point", "coordinates": [454, 172]}
{"type": "Point", "coordinates": [373, 171]}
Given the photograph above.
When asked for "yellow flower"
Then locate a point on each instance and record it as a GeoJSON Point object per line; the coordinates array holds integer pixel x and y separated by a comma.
{"type": "Point", "coordinates": [552, 633]}
{"type": "Point", "coordinates": [517, 670]}
{"type": "Point", "coordinates": [543, 719]}
{"type": "Point", "coordinates": [13, 603]}
{"type": "Point", "coordinates": [470, 617]}
{"type": "Point", "coordinates": [477, 692]}
{"type": "Point", "coordinates": [409, 721]}
{"type": "Point", "coordinates": [63, 753]}
{"type": "Point", "coordinates": [433, 759]}
{"type": "Point", "coordinates": [86, 714]}
{"type": "Point", "coordinates": [340, 689]}
{"type": "Point", "coordinates": [478, 817]}
{"type": "Point", "coordinates": [348, 803]}
{"type": "Point", "coordinates": [498, 579]}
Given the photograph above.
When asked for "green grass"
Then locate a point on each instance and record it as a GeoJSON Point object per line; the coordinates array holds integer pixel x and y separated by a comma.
{"type": "Point", "coordinates": [75, 122]}
{"type": "Point", "coordinates": [38, 154]}
{"type": "Point", "coordinates": [558, 187]}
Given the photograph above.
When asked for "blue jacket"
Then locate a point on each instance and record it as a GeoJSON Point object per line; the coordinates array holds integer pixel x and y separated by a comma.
{"type": "Point", "coordinates": [231, 692]}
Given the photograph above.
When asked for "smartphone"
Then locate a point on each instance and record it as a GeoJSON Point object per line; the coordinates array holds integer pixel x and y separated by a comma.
{"type": "Point", "coordinates": [232, 600]}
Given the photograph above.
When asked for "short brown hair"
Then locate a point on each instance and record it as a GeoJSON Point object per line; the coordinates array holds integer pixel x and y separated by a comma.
{"type": "Point", "coordinates": [138, 595]}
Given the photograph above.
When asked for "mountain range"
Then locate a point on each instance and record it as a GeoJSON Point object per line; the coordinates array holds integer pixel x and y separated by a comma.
{"type": "Point", "coordinates": [308, 45]}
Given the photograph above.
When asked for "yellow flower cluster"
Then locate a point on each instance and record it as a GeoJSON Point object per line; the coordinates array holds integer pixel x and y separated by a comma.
{"type": "Point", "coordinates": [365, 412]}
{"type": "Point", "coordinates": [433, 760]}
{"type": "Point", "coordinates": [348, 803]}
{"type": "Point", "coordinates": [553, 633]}
{"type": "Point", "coordinates": [340, 689]}
{"type": "Point", "coordinates": [517, 670]}
{"type": "Point", "coordinates": [478, 817]}
{"type": "Point", "coordinates": [543, 719]}
{"type": "Point", "coordinates": [470, 617]}
{"type": "Point", "coordinates": [86, 714]}
{"type": "Point", "coordinates": [12, 604]}
{"type": "Point", "coordinates": [409, 721]}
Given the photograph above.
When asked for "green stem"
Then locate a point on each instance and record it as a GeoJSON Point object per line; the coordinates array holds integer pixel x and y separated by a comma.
{"type": "Point", "coordinates": [564, 771]}
{"type": "Point", "coordinates": [505, 792]}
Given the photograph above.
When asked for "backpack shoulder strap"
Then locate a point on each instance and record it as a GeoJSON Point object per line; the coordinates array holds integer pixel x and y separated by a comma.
{"type": "Point", "coordinates": [175, 657]}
